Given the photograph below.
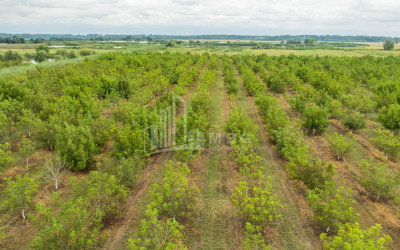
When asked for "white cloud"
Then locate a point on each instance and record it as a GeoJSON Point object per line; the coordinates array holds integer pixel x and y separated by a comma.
{"type": "Point", "coordinates": [205, 17]}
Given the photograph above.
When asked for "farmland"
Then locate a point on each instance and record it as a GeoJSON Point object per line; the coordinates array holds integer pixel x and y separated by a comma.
{"type": "Point", "coordinates": [201, 147]}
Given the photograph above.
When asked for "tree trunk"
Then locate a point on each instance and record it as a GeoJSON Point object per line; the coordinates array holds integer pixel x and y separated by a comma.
{"type": "Point", "coordinates": [386, 157]}
{"type": "Point", "coordinates": [327, 229]}
{"type": "Point", "coordinates": [338, 157]}
{"type": "Point", "coordinates": [29, 134]}
{"type": "Point", "coordinates": [313, 131]}
{"type": "Point", "coordinates": [56, 184]}
{"type": "Point", "coordinates": [23, 214]}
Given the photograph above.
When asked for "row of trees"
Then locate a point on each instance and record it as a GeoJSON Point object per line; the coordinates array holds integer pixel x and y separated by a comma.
{"type": "Point", "coordinates": [332, 205]}
{"type": "Point", "coordinates": [174, 200]}
{"type": "Point", "coordinates": [253, 196]}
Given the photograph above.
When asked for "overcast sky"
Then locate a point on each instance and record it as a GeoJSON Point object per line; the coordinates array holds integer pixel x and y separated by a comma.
{"type": "Point", "coordinates": [188, 17]}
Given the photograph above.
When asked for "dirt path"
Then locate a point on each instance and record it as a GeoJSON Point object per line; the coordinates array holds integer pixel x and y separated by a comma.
{"type": "Point", "coordinates": [136, 202]}
{"type": "Point", "coordinates": [295, 230]}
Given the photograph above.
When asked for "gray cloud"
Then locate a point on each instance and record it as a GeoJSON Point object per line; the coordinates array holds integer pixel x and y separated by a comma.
{"type": "Point", "coordinates": [273, 17]}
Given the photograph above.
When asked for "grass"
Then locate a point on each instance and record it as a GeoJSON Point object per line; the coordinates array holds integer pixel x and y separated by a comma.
{"type": "Point", "coordinates": [214, 234]}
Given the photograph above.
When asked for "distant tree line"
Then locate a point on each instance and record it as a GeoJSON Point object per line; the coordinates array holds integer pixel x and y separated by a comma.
{"type": "Point", "coordinates": [100, 37]}
{"type": "Point", "coordinates": [13, 39]}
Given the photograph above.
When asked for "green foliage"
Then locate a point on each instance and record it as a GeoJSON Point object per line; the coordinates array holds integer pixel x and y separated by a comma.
{"type": "Point", "coordinates": [390, 117]}
{"type": "Point", "coordinates": [3, 234]}
{"type": "Point", "coordinates": [379, 179]}
{"type": "Point", "coordinates": [157, 234]}
{"type": "Point", "coordinates": [9, 55]}
{"type": "Point", "coordinates": [170, 44]}
{"type": "Point", "coordinates": [312, 171]}
{"type": "Point", "coordinates": [239, 123]}
{"type": "Point", "coordinates": [340, 144]}
{"type": "Point", "coordinates": [5, 155]}
{"type": "Point", "coordinates": [251, 82]}
{"type": "Point", "coordinates": [276, 83]}
{"type": "Point", "coordinates": [42, 48]}
{"type": "Point", "coordinates": [335, 109]}
{"type": "Point", "coordinates": [100, 192]}
{"type": "Point", "coordinates": [332, 206]}
{"type": "Point", "coordinates": [86, 52]}
{"type": "Point", "coordinates": [298, 103]}
{"type": "Point", "coordinates": [388, 45]}
{"type": "Point", "coordinates": [71, 55]}
{"type": "Point", "coordinates": [351, 236]}
{"type": "Point", "coordinates": [354, 121]}
{"type": "Point", "coordinates": [316, 119]}
{"type": "Point", "coordinates": [26, 148]}
{"type": "Point", "coordinates": [69, 225]}
{"type": "Point", "coordinates": [174, 198]}
{"type": "Point", "coordinates": [388, 143]}
{"type": "Point", "coordinates": [19, 194]}
{"type": "Point", "coordinates": [257, 204]}
{"type": "Point", "coordinates": [127, 171]}
{"type": "Point", "coordinates": [76, 145]}
{"type": "Point", "coordinates": [40, 56]}
{"type": "Point", "coordinates": [253, 239]}
{"type": "Point", "coordinates": [231, 83]}
{"type": "Point", "coordinates": [310, 42]}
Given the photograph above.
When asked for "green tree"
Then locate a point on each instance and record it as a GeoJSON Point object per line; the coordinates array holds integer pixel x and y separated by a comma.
{"type": "Point", "coordinates": [170, 44]}
{"type": "Point", "coordinates": [390, 116]}
{"type": "Point", "coordinates": [298, 103]}
{"type": "Point", "coordinates": [388, 45]}
{"type": "Point", "coordinates": [253, 239]}
{"type": "Point", "coordinates": [308, 169]}
{"type": "Point", "coordinates": [5, 155]}
{"type": "Point", "coordinates": [28, 122]}
{"type": "Point", "coordinates": [26, 148]}
{"type": "Point", "coordinates": [76, 145]}
{"type": "Point", "coordinates": [5, 127]}
{"type": "Point", "coordinates": [18, 194]}
{"type": "Point", "coordinates": [351, 236]}
{"type": "Point", "coordinates": [85, 52]}
{"type": "Point", "coordinates": [340, 144]}
{"type": "Point", "coordinates": [332, 206]}
{"type": "Point", "coordinates": [388, 143]}
{"type": "Point", "coordinates": [310, 42]}
{"type": "Point", "coordinates": [127, 171]}
{"type": "Point", "coordinates": [40, 56]}
{"type": "Point", "coordinates": [316, 119]}
{"type": "Point", "coordinates": [379, 179]}
{"type": "Point", "coordinates": [42, 48]}
{"type": "Point", "coordinates": [354, 121]}
{"type": "Point", "coordinates": [257, 204]}
{"type": "Point", "coordinates": [174, 197]}
{"type": "Point", "coordinates": [100, 192]}
{"type": "Point", "coordinates": [69, 225]}
{"type": "Point", "coordinates": [157, 234]}
{"type": "Point", "coordinates": [71, 55]}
